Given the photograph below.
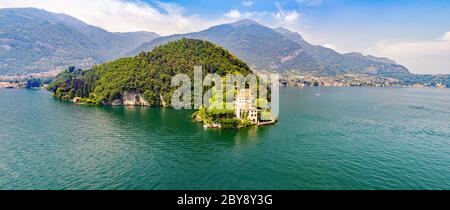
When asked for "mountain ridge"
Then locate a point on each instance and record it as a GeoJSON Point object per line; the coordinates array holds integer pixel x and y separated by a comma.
{"type": "Point", "coordinates": [282, 50]}
{"type": "Point", "coordinates": [34, 40]}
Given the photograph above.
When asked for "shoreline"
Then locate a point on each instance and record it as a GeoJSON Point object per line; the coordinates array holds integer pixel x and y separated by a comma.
{"type": "Point", "coordinates": [18, 86]}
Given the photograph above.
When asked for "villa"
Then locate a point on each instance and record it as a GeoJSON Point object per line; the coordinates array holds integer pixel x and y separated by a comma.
{"type": "Point", "coordinates": [245, 108]}
{"type": "Point", "coordinates": [248, 110]}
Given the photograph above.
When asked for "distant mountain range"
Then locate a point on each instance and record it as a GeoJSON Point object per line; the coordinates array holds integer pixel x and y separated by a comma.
{"type": "Point", "coordinates": [282, 50]}
{"type": "Point", "coordinates": [34, 40]}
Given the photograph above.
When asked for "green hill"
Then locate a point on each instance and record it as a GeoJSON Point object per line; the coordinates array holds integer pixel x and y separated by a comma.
{"type": "Point", "coordinates": [145, 79]}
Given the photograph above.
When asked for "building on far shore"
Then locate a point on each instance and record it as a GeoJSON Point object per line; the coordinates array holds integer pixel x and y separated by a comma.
{"type": "Point", "coordinates": [440, 85]}
{"type": "Point", "coordinates": [9, 85]}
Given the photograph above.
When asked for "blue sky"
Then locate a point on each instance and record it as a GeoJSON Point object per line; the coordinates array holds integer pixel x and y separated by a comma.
{"type": "Point", "coordinates": [415, 33]}
{"type": "Point", "coordinates": [341, 21]}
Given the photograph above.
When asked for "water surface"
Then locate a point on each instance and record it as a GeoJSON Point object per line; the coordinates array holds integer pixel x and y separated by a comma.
{"type": "Point", "coordinates": [327, 138]}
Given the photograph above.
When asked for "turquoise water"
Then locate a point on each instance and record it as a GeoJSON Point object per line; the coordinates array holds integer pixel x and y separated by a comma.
{"type": "Point", "coordinates": [327, 138]}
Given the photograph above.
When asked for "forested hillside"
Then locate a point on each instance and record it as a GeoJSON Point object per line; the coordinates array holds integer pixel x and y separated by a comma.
{"type": "Point", "coordinates": [147, 74]}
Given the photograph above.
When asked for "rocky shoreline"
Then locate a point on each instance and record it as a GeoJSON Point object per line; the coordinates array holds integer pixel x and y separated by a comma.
{"type": "Point", "coordinates": [129, 98]}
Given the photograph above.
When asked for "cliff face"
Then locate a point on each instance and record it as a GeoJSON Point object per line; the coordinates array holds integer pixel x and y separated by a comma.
{"type": "Point", "coordinates": [130, 98]}
{"type": "Point", "coordinates": [134, 99]}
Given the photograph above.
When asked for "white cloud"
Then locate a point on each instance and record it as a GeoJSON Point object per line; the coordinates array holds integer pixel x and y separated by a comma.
{"type": "Point", "coordinates": [122, 15]}
{"type": "Point", "coordinates": [432, 56]}
{"type": "Point", "coordinates": [288, 16]}
{"type": "Point", "coordinates": [446, 37]}
{"type": "Point", "coordinates": [234, 14]}
{"type": "Point", "coordinates": [331, 46]}
{"type": "Point", "coordinates": [310, 2]}
{"type": "Point", "coordinates": [247, 3]}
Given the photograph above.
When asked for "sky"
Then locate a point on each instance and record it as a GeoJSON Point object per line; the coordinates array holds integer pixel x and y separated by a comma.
{"type": "Point", "coordinates": [415, 33]}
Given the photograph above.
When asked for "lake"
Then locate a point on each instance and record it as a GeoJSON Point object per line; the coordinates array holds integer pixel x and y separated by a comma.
{"type": "Point", "coordinates": [326, 138]}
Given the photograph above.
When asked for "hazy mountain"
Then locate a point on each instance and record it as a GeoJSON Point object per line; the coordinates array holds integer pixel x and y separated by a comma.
{"type": "Point", "coordinates": [281, 50]}
{"type": "Point", "coordinates": [33, 40]}
{"type": "Point", "coordinates": [259, 46]}
{"type": "Point", "coordinates": [351, 62]}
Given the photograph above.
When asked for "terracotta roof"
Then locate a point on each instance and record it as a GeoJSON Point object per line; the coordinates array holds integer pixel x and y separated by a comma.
{"type": "Point", "coordinates": [247, 107]}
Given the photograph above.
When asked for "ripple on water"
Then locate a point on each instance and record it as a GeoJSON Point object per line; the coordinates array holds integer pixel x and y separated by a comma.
{"type": "Point", "coordinates": [350, 138]}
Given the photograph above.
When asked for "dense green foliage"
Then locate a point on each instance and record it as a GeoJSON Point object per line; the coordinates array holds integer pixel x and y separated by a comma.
{"type": "Point", "coordinates": [149, 73]}
{"type": "Point", "coordinates": [37, 82]}
{"type": "Point", "coordinates": [224, 117]}
{"type": "Point", "coordinates": [74, 83]}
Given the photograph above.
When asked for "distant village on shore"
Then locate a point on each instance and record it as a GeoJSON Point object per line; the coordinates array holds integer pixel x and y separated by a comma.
{"type": "Point", "coordinates": [36, 80]}
{"type": "Point", "coordinates": [352, 80]}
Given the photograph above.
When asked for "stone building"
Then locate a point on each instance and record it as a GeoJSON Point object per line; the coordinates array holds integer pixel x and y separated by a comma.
{"type": "Point", "coordinates": [244, 104]}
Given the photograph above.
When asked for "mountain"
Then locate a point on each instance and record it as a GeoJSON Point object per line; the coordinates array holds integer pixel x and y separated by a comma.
{"type": "Point", "coordinates": [351, 62]}
{"type": "Point", "coordinates": [34, 40]}
{"type": "Point", "coordinates": [282, 50]}
{"type": "Point", "coordinates": [146, 78]}
{"type": "Point", "coordinates": [261, 47]}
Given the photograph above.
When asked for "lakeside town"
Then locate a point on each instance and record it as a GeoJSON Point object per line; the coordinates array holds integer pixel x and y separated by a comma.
{"type": "Point", "coordinates": [352, 80]}
{"type": "Point", "coordinates": [37, 80]}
